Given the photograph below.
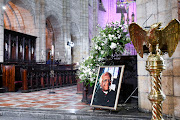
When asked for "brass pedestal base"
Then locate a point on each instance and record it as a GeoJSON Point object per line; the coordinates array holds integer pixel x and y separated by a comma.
{"type": "Point", "coordinates": [155, 65]}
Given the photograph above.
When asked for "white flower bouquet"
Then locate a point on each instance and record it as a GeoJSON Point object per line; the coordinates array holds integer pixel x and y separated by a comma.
{"type": "Point", "coordinates": [109, 41]}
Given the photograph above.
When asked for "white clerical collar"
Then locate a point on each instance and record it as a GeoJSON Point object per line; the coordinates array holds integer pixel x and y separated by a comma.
{"type": "Point", "coordinates": [106, 92]}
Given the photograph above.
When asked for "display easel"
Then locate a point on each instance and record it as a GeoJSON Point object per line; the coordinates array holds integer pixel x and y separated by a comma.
{"type": "Point", "coordinates": [131, 95]}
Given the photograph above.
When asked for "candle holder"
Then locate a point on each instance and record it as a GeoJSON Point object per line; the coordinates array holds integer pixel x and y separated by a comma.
{"type": "Point", "coordinates": [52, 74]}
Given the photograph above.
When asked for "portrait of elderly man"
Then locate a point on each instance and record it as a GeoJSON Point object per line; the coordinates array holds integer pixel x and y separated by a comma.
{"type": "Point", "coordinates": [104, 95]}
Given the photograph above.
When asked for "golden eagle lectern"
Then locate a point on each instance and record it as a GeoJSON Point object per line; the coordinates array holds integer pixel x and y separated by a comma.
{"type": "Point", "coordinates": [158, 41]}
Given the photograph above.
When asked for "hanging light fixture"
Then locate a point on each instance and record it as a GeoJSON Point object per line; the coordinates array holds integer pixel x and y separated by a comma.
{"type": "Point", "coordinates": [132, 16]}
{"type": "Point", "coordinates": [120, 7]}
{"type": "Point", "coordinates": [118, 3]}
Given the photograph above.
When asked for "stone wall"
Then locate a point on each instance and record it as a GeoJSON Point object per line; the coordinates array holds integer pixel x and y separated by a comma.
{"type": "Point", "coordinates": [159, 11]}
{"type": "Point", "coordinates": [68, 18]}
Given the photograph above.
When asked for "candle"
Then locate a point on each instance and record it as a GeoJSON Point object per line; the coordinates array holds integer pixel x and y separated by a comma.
{"type": "Point", "coordinates": [20, 48]}
{"type": "Point", "coordinates": [52, 49]}
{"type": "Point", "coordinates": [58, 55]}
{"type": "Point", "coordinates": [32, 50]}
{"type": "Point", "coordinates": [42, 52]}
{"type": "Point", "coordinates": [6, 47]}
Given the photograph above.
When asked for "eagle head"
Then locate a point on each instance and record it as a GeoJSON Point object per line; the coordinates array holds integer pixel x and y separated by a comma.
{"type": "Point", "coordinates": [155, 26]}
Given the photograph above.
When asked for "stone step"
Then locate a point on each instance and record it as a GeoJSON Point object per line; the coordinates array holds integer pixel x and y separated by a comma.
{"type": "Point", "coordinates": [23, 114]}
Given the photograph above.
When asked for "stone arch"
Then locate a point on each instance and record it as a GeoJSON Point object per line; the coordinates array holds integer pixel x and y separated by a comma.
{"type": "Point", "coordinates": [19, 16]}
{"type": "Point", "coordinates": [75, 38]}
{"type": "Point", "coordinates": [23, 3]}
{"type": "Point", "coordinates": [53, 26]}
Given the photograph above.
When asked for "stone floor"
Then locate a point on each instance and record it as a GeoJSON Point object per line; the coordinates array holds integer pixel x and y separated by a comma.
{"type": "Point", "coordinates": [65, 98]}
{"type": "Point", "coordinates": [64, 104]}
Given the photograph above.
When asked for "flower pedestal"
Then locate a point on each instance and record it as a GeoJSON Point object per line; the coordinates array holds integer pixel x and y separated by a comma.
{"type": "Point", "coordinates": [79, 87]}
{"type": "Point", "coordinates": [87, 93]}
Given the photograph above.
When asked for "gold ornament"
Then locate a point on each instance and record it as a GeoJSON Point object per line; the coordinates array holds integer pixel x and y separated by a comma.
{"type": "Point", "coordinates": [158, 41]}
{"type": "Point", "coordinates": [166, 38]}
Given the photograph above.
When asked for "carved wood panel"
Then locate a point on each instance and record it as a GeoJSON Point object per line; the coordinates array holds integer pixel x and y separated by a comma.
{"type": "Point", "coordinates": [19, 47]}
{"type": "Point", "coordinates": [9, 77]}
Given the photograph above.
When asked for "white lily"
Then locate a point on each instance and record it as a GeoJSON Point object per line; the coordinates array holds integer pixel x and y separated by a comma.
{"type": "Point", "coordinates": [113, 45]}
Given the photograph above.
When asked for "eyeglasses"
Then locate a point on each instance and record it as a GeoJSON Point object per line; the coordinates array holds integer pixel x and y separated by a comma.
{"type": "Point", "coordinates": [105, 80]}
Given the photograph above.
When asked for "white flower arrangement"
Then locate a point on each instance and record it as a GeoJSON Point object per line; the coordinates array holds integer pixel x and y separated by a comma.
{"type": "Point", "coordinates": [109, 41]}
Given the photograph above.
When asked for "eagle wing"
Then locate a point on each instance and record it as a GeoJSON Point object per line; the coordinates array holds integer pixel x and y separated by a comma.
{"type": "Point", "coordinates": [138, 37]}
{"type": "Point", "coordinates": [170, 36]}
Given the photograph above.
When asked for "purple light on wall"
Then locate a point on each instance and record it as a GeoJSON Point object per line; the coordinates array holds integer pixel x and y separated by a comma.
{"type": "Point", "coordinates": [111, 16]}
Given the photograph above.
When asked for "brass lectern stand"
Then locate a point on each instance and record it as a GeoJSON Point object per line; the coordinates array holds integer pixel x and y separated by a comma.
{"type": "Point", "coordinates": [158, 41]}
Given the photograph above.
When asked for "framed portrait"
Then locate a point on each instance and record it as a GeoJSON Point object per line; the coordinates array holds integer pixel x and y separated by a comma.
{"type": "Point", "coordinates": [107, 87]}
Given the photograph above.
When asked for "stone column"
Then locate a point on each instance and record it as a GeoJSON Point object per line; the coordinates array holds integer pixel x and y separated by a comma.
{"type": "Point", "coordinates": [40, 30]}
{"type": "Point", "coordinates": [1, 31]}
{"type": "Point", "coordinates": [95, 17]}
{"type": "Point", "coordinates": [66, 30]}
{"type": "Point", "coordinates": [162, 11]}
{"type": "Point", "coordinates": [174, 87]}
{"type": "Point", "coordinates": [84, 28]}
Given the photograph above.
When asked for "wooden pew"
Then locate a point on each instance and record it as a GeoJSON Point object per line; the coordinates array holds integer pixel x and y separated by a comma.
{"type": "Point", "coordinates": [38, 78]}
{"type": "Point", "coordinates": [32, 77]}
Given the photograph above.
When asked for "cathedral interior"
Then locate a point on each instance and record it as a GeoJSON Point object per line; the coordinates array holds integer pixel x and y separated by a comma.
{"type": "Point", "coordinates": [43, 43]}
